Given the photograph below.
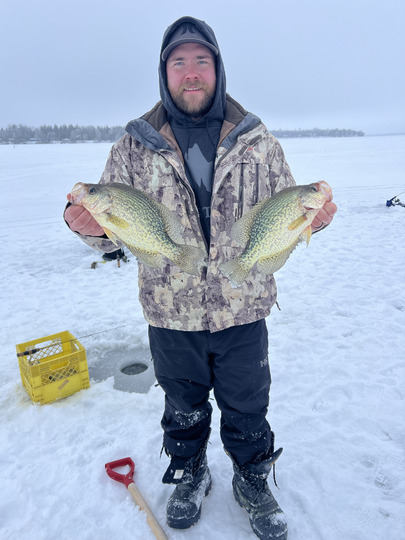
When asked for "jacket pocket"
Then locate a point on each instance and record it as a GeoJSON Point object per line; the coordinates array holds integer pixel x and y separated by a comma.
{"type": "Point", "coordinates": [253, 185]}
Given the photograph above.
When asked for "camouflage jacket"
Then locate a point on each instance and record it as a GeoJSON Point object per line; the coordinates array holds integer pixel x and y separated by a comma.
{"type": "Point", "coordinates": [249, 166]}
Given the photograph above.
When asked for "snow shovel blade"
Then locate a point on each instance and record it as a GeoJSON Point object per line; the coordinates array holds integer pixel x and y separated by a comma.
{"type": "Point", "coordinates": [128, 481]}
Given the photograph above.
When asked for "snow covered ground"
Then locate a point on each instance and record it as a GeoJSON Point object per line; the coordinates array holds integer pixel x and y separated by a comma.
{"type": "Point", "coordinates": [336, 349]}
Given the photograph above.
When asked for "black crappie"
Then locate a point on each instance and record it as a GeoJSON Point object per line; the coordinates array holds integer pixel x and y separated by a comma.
{"type": "Point", "coordinates": [272, 229]}
{"type": "Point", "coordinates": [146, 227]}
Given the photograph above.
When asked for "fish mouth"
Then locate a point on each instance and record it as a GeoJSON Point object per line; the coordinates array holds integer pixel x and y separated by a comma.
{"type": "Point", "coordinates": [324, 194]}
{"type": "Point", "coordinates": [77, 194]}
{"type": "Point", "coordinates": [326, 190]}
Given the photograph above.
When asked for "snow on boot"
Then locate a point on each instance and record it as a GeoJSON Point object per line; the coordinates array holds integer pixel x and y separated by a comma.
{"type": "Point", "coordinates": [252, 492]}
{"type": "Point", "coordinates": [193, 480]}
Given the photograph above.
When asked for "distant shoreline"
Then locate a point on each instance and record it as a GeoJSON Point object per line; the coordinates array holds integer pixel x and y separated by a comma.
{"type": "Point", "coordinates": [69, 134]}
{"type": "Point", "coordinates": [315, 133]}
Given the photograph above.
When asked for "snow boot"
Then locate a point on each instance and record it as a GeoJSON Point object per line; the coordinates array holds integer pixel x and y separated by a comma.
{"type": "Point", "coordinates": [193, 479]}
{"type": "Point", "coordinates": [252, 492]}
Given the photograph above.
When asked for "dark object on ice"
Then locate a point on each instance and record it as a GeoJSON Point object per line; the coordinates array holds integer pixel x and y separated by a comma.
{"type": "Point", "coordinates": [395, 201]}
{"type": "Point", "coordinates": [119, 254]}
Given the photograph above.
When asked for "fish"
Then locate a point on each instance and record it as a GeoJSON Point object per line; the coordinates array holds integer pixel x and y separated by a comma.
{"type": "Point", "coordinates": [148, 228]}
{"type": "Point", "coordinates": [272, 229]}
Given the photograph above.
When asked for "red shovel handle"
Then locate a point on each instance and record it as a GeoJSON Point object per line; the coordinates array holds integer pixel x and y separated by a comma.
{"type": "Point", "coordinates": [125, 479]}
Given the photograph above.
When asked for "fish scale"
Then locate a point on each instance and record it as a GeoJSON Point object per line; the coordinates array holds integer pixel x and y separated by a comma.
{"type": "Point", "coordinates": [272, 229]}
{"type": "Point", "coordinates": [148, 228]}
{"type": "Point", "coordinates": [152, 231]}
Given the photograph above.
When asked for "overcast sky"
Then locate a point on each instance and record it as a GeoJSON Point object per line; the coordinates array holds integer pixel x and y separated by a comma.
{"type": "Point", "coordinates": [294, 63]}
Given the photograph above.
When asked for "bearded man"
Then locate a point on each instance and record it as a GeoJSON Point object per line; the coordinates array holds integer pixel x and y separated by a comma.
{"type": "Point", "coordinates": [206, 158]}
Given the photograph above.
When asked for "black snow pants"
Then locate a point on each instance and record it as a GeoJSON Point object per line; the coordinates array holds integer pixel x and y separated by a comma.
{"type": "Point", "coordinates": [232, 362]}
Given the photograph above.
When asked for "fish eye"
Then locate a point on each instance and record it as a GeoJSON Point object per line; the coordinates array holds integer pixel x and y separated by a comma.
{"type": "Point", "coordinates": [314, 188]}
{"type": "Point", "coordinates": [92, 191]}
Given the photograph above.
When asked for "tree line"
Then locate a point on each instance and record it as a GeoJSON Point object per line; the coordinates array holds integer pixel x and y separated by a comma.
{"type": "Point", "coordinates": [316, 132]}
{"type": "Point", "coordinates": [20, 134]}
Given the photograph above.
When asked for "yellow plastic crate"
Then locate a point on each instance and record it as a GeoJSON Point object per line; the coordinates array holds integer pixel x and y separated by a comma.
{"type": "Point", "coordinates": [53, 367]}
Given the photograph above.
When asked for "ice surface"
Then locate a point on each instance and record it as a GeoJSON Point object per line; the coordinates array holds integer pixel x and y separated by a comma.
{"type": "Point", "coordinates": [336, 351]}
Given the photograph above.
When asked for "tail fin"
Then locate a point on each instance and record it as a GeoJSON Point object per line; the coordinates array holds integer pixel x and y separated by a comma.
{"type": "Point", "coordinates": [235, 270]}
{"type": "Point", "coordinates": [190, 259]}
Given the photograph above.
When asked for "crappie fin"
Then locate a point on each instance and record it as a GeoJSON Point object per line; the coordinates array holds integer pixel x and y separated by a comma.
{"type": "Point", "coordinates": [150, 258]}
{"type": "Point", "coordinates": [190, 259]}
{"type": "Point", "coordinates": [118, 222]}
{"type": "Point", "coordinates": [306, 234]}
{"type": "Point", "coordinates": [173, 226]}
{"type": "Point", "coordinates": [241, 229]}
{"type": "Point", "coordinates": [297, 222]}
{"type": "Point", "coordinates": [270, 265]}
{"type": "Point", "coordinates": [235, 270]}
{"type": "Point", "coordinates": [112, 236]}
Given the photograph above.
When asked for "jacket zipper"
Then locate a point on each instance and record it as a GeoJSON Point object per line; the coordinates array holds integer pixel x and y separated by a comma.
{"type": "Point", "coordinates": [243, 150]}
{"type": "Point", "coordinates": [256, 192]}
{"type": "Point", "coordinates": [239, 211]}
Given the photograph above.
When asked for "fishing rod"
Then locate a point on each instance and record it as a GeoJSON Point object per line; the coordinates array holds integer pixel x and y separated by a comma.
{"type": "Point", "coordinates": [30, 352]}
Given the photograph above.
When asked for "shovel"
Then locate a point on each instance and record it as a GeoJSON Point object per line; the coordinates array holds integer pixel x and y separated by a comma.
{"type": "Point", "coordinates": [128, 481]}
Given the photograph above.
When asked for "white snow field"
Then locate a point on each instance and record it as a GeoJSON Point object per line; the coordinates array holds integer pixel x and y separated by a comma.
{"type": "Point", "coordinates": [337, 352]}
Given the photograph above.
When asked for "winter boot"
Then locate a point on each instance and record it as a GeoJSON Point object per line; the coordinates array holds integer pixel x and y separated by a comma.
{"type": "Point", "coordinates": [252, 492]}
{"type": "Point", "coordinates": [193, 480]}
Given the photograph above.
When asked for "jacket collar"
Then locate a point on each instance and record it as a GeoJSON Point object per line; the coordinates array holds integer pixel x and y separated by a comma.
{"type": "Point", "coordinates": [153, 129]}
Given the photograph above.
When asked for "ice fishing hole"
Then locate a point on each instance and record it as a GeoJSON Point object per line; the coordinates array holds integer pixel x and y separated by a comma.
{"type": "Point", "coordinates": [134, 369]}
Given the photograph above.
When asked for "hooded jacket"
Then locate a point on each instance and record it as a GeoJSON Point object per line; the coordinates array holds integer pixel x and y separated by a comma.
{"type": "Point", "coordinates": [249, 166]}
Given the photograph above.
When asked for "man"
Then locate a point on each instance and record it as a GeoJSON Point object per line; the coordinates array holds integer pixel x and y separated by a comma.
{"type": "Point", "coordinates": [207, 159]}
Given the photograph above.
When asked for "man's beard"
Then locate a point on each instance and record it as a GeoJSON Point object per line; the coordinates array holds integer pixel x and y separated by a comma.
{"type": "Point", "coordinates": [194, 110]}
